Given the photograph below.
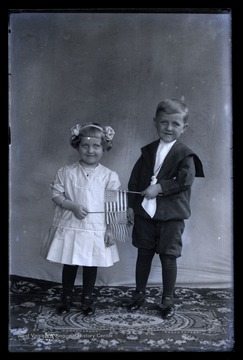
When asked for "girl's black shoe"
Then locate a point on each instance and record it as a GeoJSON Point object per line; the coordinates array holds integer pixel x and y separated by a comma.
{"type": "Point", "coordinates": [65, 308]}
{"type": "Point", "coordinates": [87, 307]}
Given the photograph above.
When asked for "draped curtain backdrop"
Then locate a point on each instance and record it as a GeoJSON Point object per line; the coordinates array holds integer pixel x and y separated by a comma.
{"type": "Point", "coordinates": [114, 68]}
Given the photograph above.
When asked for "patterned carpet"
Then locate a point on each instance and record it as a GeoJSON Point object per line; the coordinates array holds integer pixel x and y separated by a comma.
{"type": "Point", "coordinates": [203, 321]}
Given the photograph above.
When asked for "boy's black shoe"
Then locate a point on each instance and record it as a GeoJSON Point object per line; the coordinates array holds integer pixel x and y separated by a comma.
{"type": "Point", "coordinates": [167, 312]}
{"type": "Point", "coordinates": [167, 307]}
{"type": "Point", "coordinates": [87, 307]}
{"type": "Point", "coordinates": [137, 301]}
{"type": "Point", "coordinates": [65, 308]}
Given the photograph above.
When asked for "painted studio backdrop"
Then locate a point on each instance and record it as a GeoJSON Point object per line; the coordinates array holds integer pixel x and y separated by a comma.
{"type": "Point", "coordinates": [114, 68]}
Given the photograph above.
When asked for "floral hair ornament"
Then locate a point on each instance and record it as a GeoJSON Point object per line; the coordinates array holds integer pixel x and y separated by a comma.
{"type": "Point", "coordinates": [75, 130]}
{"type": "Point", "coordinates": [109, 133]}
{"type": "Point", "coordinates": [107, 130]}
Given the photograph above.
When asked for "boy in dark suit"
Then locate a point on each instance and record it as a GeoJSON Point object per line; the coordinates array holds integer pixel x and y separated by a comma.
{"type": "Point", "coordinates": [163, 174]}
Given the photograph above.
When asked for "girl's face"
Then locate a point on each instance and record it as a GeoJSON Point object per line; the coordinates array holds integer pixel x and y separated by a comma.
{"type": "Point", "coordinates": [169, 127]}
{"type": "Point", "coordinates": [90, 150]}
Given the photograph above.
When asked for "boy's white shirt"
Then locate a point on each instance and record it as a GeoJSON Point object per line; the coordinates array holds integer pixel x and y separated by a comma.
{"type": "Point", "coordinates": [162, 151]}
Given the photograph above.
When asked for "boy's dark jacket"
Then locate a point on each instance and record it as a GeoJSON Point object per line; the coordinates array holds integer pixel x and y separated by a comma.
{"type": "Point", "coordinates": [176, 176]}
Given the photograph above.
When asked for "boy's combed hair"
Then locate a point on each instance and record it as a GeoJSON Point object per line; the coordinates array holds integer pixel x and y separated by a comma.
{"type": "Point", "coordinates": [91, 131]}
{"type": "Point", "coordinates": [172, 106]}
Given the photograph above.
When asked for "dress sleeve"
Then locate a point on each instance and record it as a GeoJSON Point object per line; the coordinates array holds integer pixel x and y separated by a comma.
{"type": "Point", "coordinates": [114, 181]}
{"type": "Point", "coordinates": [57, 185]}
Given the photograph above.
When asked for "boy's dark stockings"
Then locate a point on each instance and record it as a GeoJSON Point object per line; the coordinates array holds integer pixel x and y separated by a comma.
{"type": "Point", "coordinates": [169, 274]}
{"type": "Point", "coordinates": [69, 273]}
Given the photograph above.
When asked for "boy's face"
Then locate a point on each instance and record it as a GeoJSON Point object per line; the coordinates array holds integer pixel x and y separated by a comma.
{"type": "Point", "coordinates": [169, 127]}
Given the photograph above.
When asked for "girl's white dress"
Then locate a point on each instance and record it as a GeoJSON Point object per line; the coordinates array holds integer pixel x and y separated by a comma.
{"type": "Point", "coordinates": [81, 242]}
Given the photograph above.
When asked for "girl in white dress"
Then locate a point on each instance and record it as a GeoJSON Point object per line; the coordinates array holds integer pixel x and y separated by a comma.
{"type": "Point", "coordinates": [79, 235]}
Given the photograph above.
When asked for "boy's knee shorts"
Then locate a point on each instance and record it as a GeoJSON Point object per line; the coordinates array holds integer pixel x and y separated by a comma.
{"type": "Point", "coordinates": [164, 237]}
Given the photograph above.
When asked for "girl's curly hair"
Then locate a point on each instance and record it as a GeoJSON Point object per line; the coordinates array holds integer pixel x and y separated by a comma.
{"type": "Point", "coordinates": [89, 130]}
